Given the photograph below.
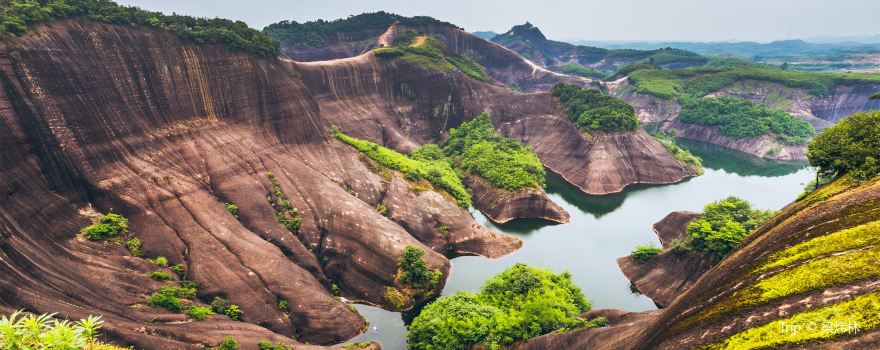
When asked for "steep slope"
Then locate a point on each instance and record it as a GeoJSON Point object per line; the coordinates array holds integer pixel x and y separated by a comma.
{"type": "Point", "coordinates": [812, 267]}
{"type": "Point", "coordinates": [135, 121]}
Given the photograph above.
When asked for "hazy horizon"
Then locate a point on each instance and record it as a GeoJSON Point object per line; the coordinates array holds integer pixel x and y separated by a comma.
{"type": "Point", "coordinates": [628, 20]}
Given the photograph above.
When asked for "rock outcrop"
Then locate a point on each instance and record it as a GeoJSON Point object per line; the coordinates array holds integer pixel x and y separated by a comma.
{"type": "Point", "coordinates": [669, 274]}
{"type": "Point", "coordinates": [501, 206]}
{"type": "Point", "coordinates": [135, 121]}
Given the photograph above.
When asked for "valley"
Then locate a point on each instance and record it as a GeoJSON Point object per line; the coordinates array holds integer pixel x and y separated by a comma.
{"type": "Point", "coordinates": [389, 182]}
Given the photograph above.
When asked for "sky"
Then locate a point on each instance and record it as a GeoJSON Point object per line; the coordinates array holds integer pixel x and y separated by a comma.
{"type": "Point", "coordinates": [595, 20]}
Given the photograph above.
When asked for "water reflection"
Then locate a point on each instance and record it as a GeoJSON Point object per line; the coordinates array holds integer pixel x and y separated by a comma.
{"type": "Point", "coordinates": [717, 157]}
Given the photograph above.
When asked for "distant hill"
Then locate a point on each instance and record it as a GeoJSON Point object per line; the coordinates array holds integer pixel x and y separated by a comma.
{"type": "Point", "coordinates": [595, 62]}
{"type": "Point", "coordinates": [488, 34]}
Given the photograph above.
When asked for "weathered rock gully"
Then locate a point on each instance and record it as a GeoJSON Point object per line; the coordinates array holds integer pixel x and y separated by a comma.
{"type": "Point", "coordinates": [134, 121]}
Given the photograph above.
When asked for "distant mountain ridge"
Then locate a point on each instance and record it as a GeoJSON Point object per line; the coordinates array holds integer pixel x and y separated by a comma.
{"type": "Point", "coordinates": [528, 40]}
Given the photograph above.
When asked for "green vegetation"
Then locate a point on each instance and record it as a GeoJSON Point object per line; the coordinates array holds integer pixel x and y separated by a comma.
{"type": "Point", "coordinates": [107, 226]}
{"type": "Point", "coordinates": [643, 253]}
{"type": "Point", "coordinates": [698, 82]}
{"type": "Point", "coordinates": [159, 275]}
{"type": "Point", "coordinates": [17, 15]}
{"type": "Point", "coordinates": [178, 269]}
{"type": "Point", "coordinates": [159, 261]}
{"type": "Point", "coordinates": [282, 305]}
{"type": "Point", "coordinates": [357, 346]}
{"type": "Point", "coordinates": [861, 314]}
{"type": "Point", "coordinates": [224, 307]}
{"type": "Point", "coordinates": [169, 298]}
{"type": "Point", "coordinates": [437, 172]}
{"type": "Point", "coordinates": [382, 209]}
{"type": "Point", "coordinates": [228, 344]}
{"type": "Point", "coordinates": [199, 313]}
{"type": "Point", "coordinates": [395, 298]}
{"type": "Point", "coordinates": [592, 110]}
{"type": "Point", "coordinates": [668, 140]}
{"type": "Point", "coordinates": [859, 236]}
{"type": "Point", "coordinates": [232, 209]}
{"type": "Point", "coordinates": [314, 34]}
{"type": "Point", "coordinates": [430, 53]}
{"type": "Point", "coordinates": [850, 147]}
{"type": "Point", "coordinates": [740, 118]}
{"type": "Point", "coordinates": [414, 271]}
{"type": "Point", "coordinates": [582, 71]}
{"type": "Point", "coordinates": [29, 331]}
{"type": "Point", "coordinates": [286, 214]}
{"type": "Point", "coordinates": [504, 162]}
{"type": "Point", "coordinates": [520, 303]}
{"type": "Point", "coordinates": [266, 345]}
{"type": "Point", "coordinates": [723, 225]}
{"type": "Point", "coordinates": [134, 247]}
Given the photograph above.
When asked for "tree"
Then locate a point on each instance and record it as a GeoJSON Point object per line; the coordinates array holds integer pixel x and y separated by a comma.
{"type": "Point", "coordinates": [850, 147]}
{"type": "Point", "coordinates": [724, 224]}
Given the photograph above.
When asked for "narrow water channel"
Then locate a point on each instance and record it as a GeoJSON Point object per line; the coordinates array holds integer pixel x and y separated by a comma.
{"type": "Point", "coordinates": [604, 228]}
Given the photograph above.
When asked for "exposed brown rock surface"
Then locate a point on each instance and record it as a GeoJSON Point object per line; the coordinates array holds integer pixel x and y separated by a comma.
{"type": "Point", "coordinates": [623, 325]}
{"type": "Point", "coordinates": [134, 121]}
{"type": "Point", "coordinates": [501, 206]}
{"type": "Point", "coordinates": [667, 275]}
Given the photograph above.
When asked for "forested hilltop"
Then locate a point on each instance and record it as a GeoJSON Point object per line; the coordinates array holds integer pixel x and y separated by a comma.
{"type": "Point", "coordinates": [17, 15]}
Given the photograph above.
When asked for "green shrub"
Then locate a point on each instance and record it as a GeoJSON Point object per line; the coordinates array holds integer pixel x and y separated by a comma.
{"type": "Point", "coordinates": [159, 261]}
{"type": "Point", "coordinates": [740, 118]}
{"type": "Point", "coordinates": [107, 226]}
{"type": "Point", "coordinates": [232, 209]}
{"type": "Point", "coordinates": [178, 269]}
{"type": "Point", "coordinates": [520, 303]}
{"type": "Point", "coordinates": [134, 246]}
{"type": "Point", "coordinates": [286, 214]}
{"type": "Point", "coordinates": [394, 298]}
{"type": "Point", "coordinates": [382, 209]}
{"type": "Point", "coordinates": [222, 306]}
{"type": "Point", "coordinates": [592, 110]}
{"type": "Point", "coordinates": [199, 313]}
{"type": "Point", "coordinates": [266, 345]}
{"type": "Point", "coordinates": [724, 224]}
{"type": "Point", "coordinates": [469, 67]}
{"type": "Point", "coordinates": [414, 270]}
{"type": "Point", "coordinates": [282, 305]}
{"type": "Point", "coordinates": [643, 253]}
{"type": "Point", "coordinates": [29, 331]}
{"type": "Point", "coordinates": [357, 346]}
{"type": "Point", "coordinates": [160, 275]}
{"type": "Point", "coordinates": [228, 344]}
{"type": "Point", "coordinates": [850, 147]}
{"type": "Point", "coordinates": [582, 71]}
{"type": "Point", "coordinates": [504, 162]}
{"type": "Point", "coordinates": [16, 15]}
{"type": "Point", "coordinates": [166, 300]}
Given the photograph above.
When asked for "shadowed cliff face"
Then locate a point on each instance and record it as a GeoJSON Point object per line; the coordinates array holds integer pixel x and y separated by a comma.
{"type": "Point", "coordinates": [133, 121]}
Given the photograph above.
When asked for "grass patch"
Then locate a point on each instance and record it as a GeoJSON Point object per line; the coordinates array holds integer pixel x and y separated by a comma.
{"type": "Point", "coordinates": [863, 311]}
{"type": "Point", "coordinates": [685, 156]}
{"type": "Point", "coordinates": [643, 253]}
{"type": "Point", "coordinates": [859, 236]}
{"type": "Point", "coordinates": [437, 172]}
{"type": "Point", "coordinates": [429, 52]}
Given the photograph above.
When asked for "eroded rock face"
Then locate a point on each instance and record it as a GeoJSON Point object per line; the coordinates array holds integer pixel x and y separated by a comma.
{"type": "Point", "coordinates": [601, 163]}
{"type": "Point", "coordinates": [134, 121]}
{"type": "Point", "coordinates": [669, 274]}
{"type": "Point", "coordinates": [623, 325]}
{"type": "Point", "coordinates": [502, 206]}
{"type": "Point", "coordinates": [762, 146]}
